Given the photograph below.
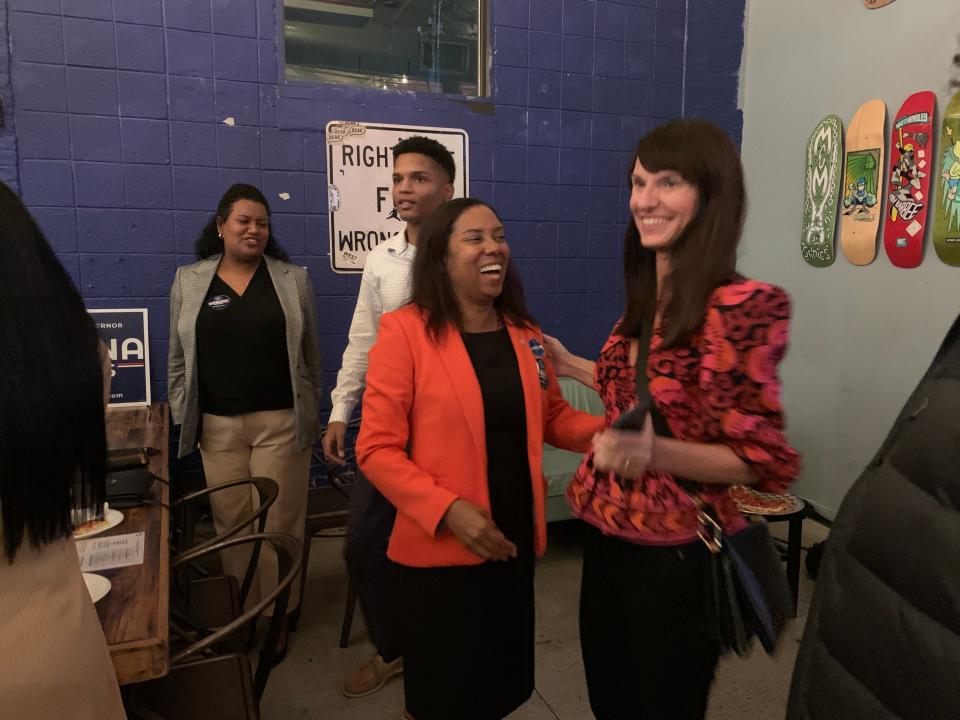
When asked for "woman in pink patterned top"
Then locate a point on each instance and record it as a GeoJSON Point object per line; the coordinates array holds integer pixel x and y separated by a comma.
{"type": "Point", "coordinates": [647, 631]}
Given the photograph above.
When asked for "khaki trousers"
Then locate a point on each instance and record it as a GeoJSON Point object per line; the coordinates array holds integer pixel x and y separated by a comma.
{"type": "Point", "coordinates": [257, 444]}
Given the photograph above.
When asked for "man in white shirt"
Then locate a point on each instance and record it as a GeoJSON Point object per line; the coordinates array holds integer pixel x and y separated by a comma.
{"type": "Point", "coordinates": [423, 174]}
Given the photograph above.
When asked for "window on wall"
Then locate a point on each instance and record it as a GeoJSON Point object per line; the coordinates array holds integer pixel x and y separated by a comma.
{"type": "Point", "coordinates": [435, 46]}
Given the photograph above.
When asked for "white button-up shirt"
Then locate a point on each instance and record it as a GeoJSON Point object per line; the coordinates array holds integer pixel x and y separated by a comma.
{"type": "Point", "coordinates": [385, 286]}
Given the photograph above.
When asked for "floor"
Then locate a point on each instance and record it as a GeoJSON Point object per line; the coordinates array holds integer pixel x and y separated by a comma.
{"type": "Point", "coordinates": [307, 684]}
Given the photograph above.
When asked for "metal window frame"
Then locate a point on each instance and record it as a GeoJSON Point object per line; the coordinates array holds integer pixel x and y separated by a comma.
{"type": "Point", "coordinates": [484, 59]}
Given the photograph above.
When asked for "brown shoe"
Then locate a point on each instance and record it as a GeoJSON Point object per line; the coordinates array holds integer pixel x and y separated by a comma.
{"type": "Point", "coordinates": [371, 676]}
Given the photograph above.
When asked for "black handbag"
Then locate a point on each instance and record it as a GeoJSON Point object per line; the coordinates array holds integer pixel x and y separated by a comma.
{"type": "Point", "coordinates": [749, 591]}
{"type": "Point", "coordinates": [749, 586]}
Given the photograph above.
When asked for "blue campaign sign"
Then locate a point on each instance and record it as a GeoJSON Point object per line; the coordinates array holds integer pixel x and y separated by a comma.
{"type": "Point", "coordinates": [125, 333]}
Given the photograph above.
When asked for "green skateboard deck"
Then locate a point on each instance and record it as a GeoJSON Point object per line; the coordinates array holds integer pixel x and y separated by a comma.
{"type": "Point", "coordinates": [946, 221]}
{"type": "Point", "coordinates": [862, 184]}
{"type": "Point", "coordinates": [822, 191]}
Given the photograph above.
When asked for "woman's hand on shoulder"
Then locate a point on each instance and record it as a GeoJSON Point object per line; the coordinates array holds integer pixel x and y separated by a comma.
{"type": "Point", "coordinates": [625, 452]}
{"type": "Point", "coordinates": [476, 531]}
{"type": "Point", "coordinates": [559, 356]}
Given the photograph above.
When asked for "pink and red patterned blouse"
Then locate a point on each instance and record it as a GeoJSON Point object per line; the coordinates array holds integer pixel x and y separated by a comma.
{"type": "Point", "coordinates": [721, 386]}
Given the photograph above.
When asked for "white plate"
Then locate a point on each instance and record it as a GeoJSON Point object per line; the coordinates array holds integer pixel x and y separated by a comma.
{"type": "Point", "coordinates": [97, 585]}
{"type": "Point", "coordinates": [111, 519]}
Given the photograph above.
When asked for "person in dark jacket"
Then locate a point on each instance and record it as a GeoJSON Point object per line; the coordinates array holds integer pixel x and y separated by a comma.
{"type": "Point", "coordinates": [882, 640]}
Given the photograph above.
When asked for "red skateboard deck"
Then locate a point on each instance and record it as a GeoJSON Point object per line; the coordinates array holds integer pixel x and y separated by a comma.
{"type": "Point", "coordinates": [912, 165]}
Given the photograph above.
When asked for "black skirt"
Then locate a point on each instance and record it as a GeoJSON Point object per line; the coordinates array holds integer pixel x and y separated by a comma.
{"type": "Point", "coordinates": [468, 639]}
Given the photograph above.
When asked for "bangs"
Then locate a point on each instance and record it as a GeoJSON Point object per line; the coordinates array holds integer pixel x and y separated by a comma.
{"type": "Point", "coordinates": [675, 146]}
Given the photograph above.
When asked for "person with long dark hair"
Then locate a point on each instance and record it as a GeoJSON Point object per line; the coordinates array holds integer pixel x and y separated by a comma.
{"type": "Point", "coordinates": [54, 662]}
{"type": "Point", "coordinates": [244, 372]}
{"type": "Point", "coordinates": [647, 633]}
{"type": "Point", "coordinates": [459, 402]}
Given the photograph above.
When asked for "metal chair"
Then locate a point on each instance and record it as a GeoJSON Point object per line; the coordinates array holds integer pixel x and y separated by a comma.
{"type": "Point", "coordinates": [340, 478]}
{"type": "Point", "coordinates": [186, 479]}
{"type": "Point", "coordinates": [200, 596]}
{"type": "Point", "coordinates": [208, 680]}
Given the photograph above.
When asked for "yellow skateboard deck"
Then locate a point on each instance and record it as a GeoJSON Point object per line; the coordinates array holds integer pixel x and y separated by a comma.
{"type": "Point", "coordinates": [874, 4]}
{"type": "Point", "coordinates": [863, 184]}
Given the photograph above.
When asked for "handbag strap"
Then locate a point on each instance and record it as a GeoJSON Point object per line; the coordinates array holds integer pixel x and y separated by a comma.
{"type": "Point", "coordinates": [709, 529]}
{"type": "Point", "coordinates": [642, 390]}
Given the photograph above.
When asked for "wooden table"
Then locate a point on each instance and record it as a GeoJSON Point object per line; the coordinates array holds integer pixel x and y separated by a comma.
{"type": "Point", "coordinates": [135, 612]}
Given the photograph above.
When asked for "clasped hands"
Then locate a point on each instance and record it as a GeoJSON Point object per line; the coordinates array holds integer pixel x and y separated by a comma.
{"type": "Point", "coordinates": [624, 452]}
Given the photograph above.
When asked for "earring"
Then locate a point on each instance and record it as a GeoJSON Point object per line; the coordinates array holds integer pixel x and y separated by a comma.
{"type": "Point", "coordinates": [220, 235]}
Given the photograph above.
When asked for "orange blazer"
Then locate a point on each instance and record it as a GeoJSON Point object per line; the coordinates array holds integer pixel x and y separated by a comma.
{"type": "Point", "coordinates": [422, 440]}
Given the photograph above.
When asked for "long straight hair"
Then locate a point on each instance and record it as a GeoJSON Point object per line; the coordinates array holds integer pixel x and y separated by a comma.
{"type": "Point", "coordinates": [52, 432]}
{"type": "Point", "coordinates": [704, 255]}
{"type": "Point", "coordinates": [432, 290]}
{"type": "Point", "coordinates": [210, 243]}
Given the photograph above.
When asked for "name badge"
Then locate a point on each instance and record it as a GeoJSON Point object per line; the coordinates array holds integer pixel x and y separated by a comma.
{"type": "Point", "coordinates": [219, 302]}
{"type": "Point", "coordinates": [536, 347]}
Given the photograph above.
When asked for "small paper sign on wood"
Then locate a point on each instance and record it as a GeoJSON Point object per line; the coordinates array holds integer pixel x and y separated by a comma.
{"type": "Point", "coordinates": [115, 551]}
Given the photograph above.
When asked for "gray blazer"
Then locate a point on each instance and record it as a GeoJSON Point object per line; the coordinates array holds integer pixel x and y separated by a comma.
{"type": "Point", "coordinates": [295, 292]}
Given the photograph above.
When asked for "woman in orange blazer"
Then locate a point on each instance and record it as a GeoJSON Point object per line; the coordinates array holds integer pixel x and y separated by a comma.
{"type": "Point", "coordinates": [458, 404]}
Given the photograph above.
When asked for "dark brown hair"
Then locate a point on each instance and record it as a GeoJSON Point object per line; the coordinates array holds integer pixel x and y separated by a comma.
{"type": "Point", "coordinates": [210, 241]}
{"type": "Point", "coordinates": [432, 290]}
{"type": "Point", "coordinates": [704, 255]}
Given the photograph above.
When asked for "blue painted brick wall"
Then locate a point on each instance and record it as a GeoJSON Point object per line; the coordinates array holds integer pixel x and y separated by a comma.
{"type": "Point", "coordinates": [113, 134]}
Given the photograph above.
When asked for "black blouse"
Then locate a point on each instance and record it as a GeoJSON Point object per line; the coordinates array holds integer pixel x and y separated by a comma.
{"type": "Point", "coordinates": [505, 419]}
{"type": "Point", "coordinates": [242, 349]}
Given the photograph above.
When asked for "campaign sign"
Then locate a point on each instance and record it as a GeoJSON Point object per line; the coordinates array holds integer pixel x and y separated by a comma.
{"type": "Point", "coordinates": [125, 333]}
{"type": "Point", "coordinates": [359, 171]}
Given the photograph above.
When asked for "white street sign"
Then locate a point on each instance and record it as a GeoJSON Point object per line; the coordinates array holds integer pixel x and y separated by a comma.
{"type": "Point", "coordinates": [359, 170]}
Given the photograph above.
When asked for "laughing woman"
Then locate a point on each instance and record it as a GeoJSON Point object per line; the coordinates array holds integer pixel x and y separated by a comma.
{"type": "Point", "coordinates": [459, 402]}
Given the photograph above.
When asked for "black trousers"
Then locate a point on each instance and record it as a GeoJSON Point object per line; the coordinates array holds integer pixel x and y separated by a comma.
{"type": "Point", "coordinates": [369, 524]}
{"type": "Point", "coordinates": [646, 629]}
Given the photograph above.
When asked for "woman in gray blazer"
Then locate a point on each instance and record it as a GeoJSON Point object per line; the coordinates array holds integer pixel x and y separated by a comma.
{"type": "Point", "coordinates": [244, 372]}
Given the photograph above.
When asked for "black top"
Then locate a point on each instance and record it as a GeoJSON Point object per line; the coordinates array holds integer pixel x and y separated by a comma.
{"type": "Point", "coordinates": [505, 420]}
{"type": "Point", "coordinates": [242, 349]}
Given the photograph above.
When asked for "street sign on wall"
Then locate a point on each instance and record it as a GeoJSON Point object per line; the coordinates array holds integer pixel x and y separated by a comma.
{"type": "Point", "coordinates": [359, 170]}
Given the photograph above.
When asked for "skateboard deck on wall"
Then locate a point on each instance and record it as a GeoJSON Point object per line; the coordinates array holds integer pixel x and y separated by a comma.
{"type": "Point", "coordinates": [862, 184]}
{"type": "Point", "coordinates": [908, 195]}
{"type": "Point", "coordinates": [946, 217]}
{"type": "Point", "coordinates": [874, 4]}
{"type": "Point", "coordinates": [821, 191]}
